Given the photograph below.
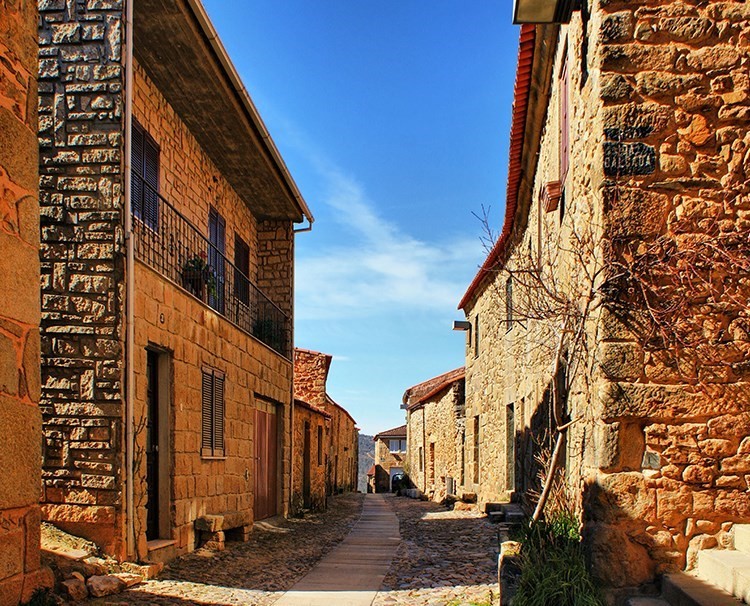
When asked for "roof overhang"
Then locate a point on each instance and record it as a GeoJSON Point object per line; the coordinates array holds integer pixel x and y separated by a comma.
{"type": "Point", "coordinates": [175, 42]}
{"type": "Point", "coordinates": [542, 11]}
{"type": "Point", "coordinates": [530, 103]}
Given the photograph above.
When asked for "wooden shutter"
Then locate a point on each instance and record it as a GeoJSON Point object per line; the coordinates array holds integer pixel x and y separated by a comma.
{"type": "Point", "coordinates": [151, 177]}
{"type": "Point", "coordinates": [136, 170]}
{"type": "Point", "coordinates": [218, 445]}
{"type": "Point", "coordinates": [207, 389]}
{"type": "Point", "coordinates": [212, 413]}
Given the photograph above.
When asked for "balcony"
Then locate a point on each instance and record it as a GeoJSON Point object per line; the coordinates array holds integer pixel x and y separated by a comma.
{"type": "Point", "coordinates": [165, 240]}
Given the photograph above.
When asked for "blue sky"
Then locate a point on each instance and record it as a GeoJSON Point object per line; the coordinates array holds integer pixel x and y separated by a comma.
{"type": "Point", "coordinates": [393, 118]}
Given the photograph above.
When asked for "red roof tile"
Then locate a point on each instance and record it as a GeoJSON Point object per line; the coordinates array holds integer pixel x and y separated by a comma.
{"type": "Point", "coordinates": [396, 432]}
{"type": "Point", "coordinates": [309, 406]}
{"type": "Point", "coordinates": [427, 389]}
{"type": "Point", "coordinates": [518, 126]}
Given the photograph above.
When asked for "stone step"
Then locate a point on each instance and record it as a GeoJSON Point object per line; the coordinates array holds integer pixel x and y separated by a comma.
{"type": "Point", "coordinates": [680, 589]}
{"type": "Point", "coordinates": [728, 569]}
{"type": "Point", "coordinates": [162, 550]}
{"type": "Point", "coordinates": [742, 537]}
{"type": "Point", "coordinates": [646, 601]}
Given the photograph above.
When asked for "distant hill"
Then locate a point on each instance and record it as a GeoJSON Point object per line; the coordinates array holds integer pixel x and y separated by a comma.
{"type": "Point", "coordinates": [366, 458]}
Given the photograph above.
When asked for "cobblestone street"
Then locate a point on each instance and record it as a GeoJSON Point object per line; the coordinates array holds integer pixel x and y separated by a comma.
{"type": "Point", "coordinates": [256, 572]}
{"type": "Point", "coordinates": [445, 558]}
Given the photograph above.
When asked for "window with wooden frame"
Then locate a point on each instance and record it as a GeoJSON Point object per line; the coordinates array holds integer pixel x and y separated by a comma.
{"type": "Point", "coordinates": [144, 177]}
{"type": "Point", "coordinates": [564, 117]}
{"type": "Point", "coordinates": [212, 413]}
{"type": "Point", "coordinates": [242, 270]}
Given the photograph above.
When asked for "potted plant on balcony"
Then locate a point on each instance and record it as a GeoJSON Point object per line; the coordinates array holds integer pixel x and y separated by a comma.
{"type": "Point", "coordinates": [198, 276]}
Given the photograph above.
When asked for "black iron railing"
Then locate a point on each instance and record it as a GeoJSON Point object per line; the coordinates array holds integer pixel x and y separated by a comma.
{"type": "Point", "coordinates": [167, 241]}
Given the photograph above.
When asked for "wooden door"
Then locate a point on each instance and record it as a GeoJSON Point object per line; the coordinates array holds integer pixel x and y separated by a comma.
{"type": "Point", "coordinates": [152, 446]}
{"type": "Point", "coordinates": [266, 467]}
{"type": "Point", "coordinates": [306, 464]}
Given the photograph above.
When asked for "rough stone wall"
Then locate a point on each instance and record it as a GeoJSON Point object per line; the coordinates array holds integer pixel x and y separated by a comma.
{"type": "Point", "coordinates": [316, 420]}
{"type": "Point", "coordinates": [415, 440]}
{"type": "Point", "coordinates": [188, 179]}
{"type": "Point", "coordinates": [276, 263]}
{"type": "Point", "coordinates": [80, 138]}
{"type": "Point", "coordinates": [435, 428]}
{"type": "Point", "coordinates": [193, 336]}
{"type": "Point", "coordinates": [657, 457]}
{"type": "Point", "coordinates": [675, 88]}
{"type": "Point", "coordinates": [341, 437]}
{"type": "Point", "coordinates": [344, 448]}
{"type": "Point", "coordinates": [310, 375]}
{"type": "Point", "coordinates": [20, 419]}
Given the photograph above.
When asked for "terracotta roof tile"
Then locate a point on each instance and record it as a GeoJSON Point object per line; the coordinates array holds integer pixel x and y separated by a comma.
{"type": "Point", "coordinates": [517, 131]}
{"type": "Point", "coordinates": [312, 407]}
{"type": "Point", "coordinates": [396, 432]}
{"type": "Point", "coordinates": [425, 390]}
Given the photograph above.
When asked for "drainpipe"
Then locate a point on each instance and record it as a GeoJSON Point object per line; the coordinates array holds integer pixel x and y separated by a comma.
{"type": "Point", "coordinates": [129, 289]}
{"type": "Point", "coordinates": [304, 229]}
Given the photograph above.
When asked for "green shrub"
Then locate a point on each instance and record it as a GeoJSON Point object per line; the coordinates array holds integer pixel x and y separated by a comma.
{"type": "Point", "coordinates": [553, 566]}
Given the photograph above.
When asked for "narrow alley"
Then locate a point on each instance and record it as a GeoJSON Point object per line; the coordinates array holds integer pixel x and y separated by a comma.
{"type": "Point", "coordinates": [374, 549]}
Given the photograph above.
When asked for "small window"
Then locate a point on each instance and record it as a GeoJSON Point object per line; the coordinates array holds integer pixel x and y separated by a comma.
{"type": "Point", "coordinates": [212, 413]}
{"type": "Point", "coordinates": [320, 444]}
{"type": "Point", "coordinates": [476, 336]}
{"type": "Point", "coordinates": [144, 177]}
{"type": "Point", "coordinates": [509, 304]}
{"type": "Point", "coordinates": [421, 459]}
{"type": "Point", "coordinates": [397, 445]}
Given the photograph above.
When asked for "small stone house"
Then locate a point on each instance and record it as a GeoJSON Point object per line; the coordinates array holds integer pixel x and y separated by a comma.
{"type": "Point", "coordinates": [20, 418]}
{"type": "Point", "coordinates": [326, 441]}
{"type": "Point", "coordinates": [435, 434]}
{"type": "Point", "coordinates": [167, 281]}
{"type": "Point", "coordinates": [309, 458]}
{"type": "Point", "coordinates": [611, 314]}
{"type": "Point", "coordinates": [390, 457]}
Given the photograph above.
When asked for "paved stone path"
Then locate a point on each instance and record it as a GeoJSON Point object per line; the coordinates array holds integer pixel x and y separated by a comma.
{"type": "Point", "coordinates": [277, 555]}
{"type": "Point", "coordinates": [353, 572]}
{"type": "Point", "coordinates": [445, 558]}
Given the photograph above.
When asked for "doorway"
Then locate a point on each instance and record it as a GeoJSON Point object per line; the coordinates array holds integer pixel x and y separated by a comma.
{"type": "Point", "coordinates": [266, 460]}
{"type": "Point", "coordinates": [306, 463]}
{"type": "Point", "coordinates": [510, 447]}
{"type": "Point", "coordinates": [158, 483]}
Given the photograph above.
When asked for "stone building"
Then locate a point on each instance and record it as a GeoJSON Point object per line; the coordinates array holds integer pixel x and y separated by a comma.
{"type": "Point", "coordinates": [435, 434]}
{"type": "Point", "coordinates": [20, 418]}
{"type": "Point", "coordinates": [167, 281]}
{"type": "Point", "coordinates": [326, 442]}
{"type": "Point", "coordinates": [309, 457]}
{"type": "Point", "coordinates": [390, 457]}
{"type": "Point", "coordinates": [611, 314]}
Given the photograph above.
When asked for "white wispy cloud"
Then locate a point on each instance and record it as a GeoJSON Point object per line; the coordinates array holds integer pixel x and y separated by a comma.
{"type": "Point", "coordinates": [381, 266]}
